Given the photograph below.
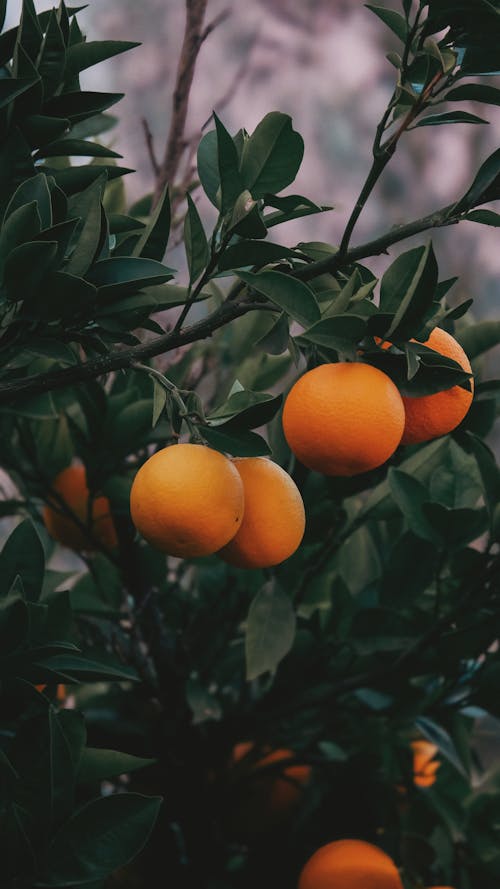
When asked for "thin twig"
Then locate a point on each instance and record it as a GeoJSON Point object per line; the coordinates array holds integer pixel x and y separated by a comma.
{"type": "Point", "coordinates": [193, 39]}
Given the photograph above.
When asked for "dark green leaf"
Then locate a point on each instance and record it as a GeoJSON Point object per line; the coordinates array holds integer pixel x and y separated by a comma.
{"type": "Point", "coordinates": [97, 764]}
{"type": "Point", "coordinates": [392, 19]}
{"type": "Point", "coordinates": [246, 409]}
{"type": "Point", "coordinates": [407, 289]}
{"type": "Point", "coordinates": [290, 294]}
{"type": "Point", "coordinates": [410, 495]}
{"type": "Point", "coordinates": [434, 120]}
{"type": "Point", "coordinates": [231, 181]}
{"type": "Point", "coordinates": [485, 187]}
{"type": "Point", "coordinates": [87, 206]}
{"type": "Point", "coordinates": [23, 555]}
{"type": "Point", "coordinates": [103, 835]}
{"type": "Point", "coordinates": [153, 241]}
{"type": "Point", "coordinates": [270, 630]}
{"type": "Point", "coordinates": [474, 92]}
{"type": "Point", "coordinates": [52, 56]}
{"type": "Point", "coordinates": [75, 667]}
{"type": "Point", "coordinates": [195, 241]}
{"type": "Point", "coordinates": [478, 338]}
{"type": "Point", "coordinates": [437, 735]}
{"type": "Point", "coordinates": [485, 217]}
{"type": "Point", "coordinates": [26, 266]}
{"type": "Point", "coordinates": [341, 332]}
{"type": "Point", "coordinates": [127, 274]}
{"type": "Point", "coordinates": [235, 441]}
{"type": "Point", "coordinates": [272, 155]}
{"type": "Point", "coordinates": [208, 167]}
{"type": "Point", "coordinates": [12, 87]}
{"type": "Point", "coordinates": [75, 148]}
{"type": "Point", "coordinates": [89, 53]}
{"type": "Point", "coordinates": [77, 106]}
{"type": "Point", "coordinates": [249, 253]}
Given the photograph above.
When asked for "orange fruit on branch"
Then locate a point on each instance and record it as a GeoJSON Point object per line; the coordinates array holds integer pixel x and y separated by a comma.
{"type": "Point", "coordinates": [71, 521]}
{"type": "Point", "coordinates": [425, 765]}
{"type": "Point", "coordinates": [429, 416]}
{"type": "Point", "coordinates": [343, 419]}
{"type": "Point", "coordinates": [187, 500]}
{"type": "Point", "coordinates": [350, 864]}
{"type": "Point", "coordinates": [274, 518]}
{"type": "Point", "coordinates": [265, 795]}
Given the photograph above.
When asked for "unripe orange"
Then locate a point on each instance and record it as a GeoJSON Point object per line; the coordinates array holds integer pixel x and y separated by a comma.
{"type": "Point", "coordinates": [274, 519]}
{"type": "Point", "coordinates": [88, 531]}
{"type": "Point", "coordinates": [187, 500]}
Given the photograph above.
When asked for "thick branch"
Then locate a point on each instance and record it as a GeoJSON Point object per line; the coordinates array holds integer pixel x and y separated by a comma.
{"type": "Point", "coordinates": [193, 39]}
{"type": "Point", "coordinates": [80, 373]}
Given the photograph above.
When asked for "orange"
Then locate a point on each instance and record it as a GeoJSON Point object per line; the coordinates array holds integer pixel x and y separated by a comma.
{"type": "Point", "coordinates": [268, 795]}
{"type": "Point", "coordinates": [274, 519]}
{"type": "Point", "coordinates": [430, 416]}
{"type": "Point", "coordinates": [75, 528]}
{"type": "Point", "coordinates": [60, 693]}
{"type": "Point", "coordinates": [350, 864]}
{"type": "Point", "coordinates": [187, 500]}
{"type": "Point", "coordinates": [424, 764]}
{"type": "Point", "coordinates": [343, 419]}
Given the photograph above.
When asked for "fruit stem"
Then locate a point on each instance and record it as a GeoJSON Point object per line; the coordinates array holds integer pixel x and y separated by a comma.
{"type": "Point", "coordinates": [176, 396]}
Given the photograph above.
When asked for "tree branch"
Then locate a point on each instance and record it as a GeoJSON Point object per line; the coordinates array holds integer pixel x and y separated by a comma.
{"type": "Point", "coordinates": [193, 39]}
{"type": "Point", "coordinates": [36, 384]}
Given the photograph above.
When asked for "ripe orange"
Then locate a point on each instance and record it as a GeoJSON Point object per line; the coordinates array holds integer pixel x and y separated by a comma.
{"type": "Point", "coordinates": [430, 416]}
{"type": "Point", "coordinates": [274, 519]}
{"type": "Point", "coordinates": [81, 532]}
{"type": "Point", "coordinates": [187, 500]}
{"type": "Point", "coordinates": [268, 796]}
{"type": "Point", "coordinates": [424, 764]}
{"type": "Point", "coordinates": [343, 419]}
{"type": "Point", "coordinates": [350, 864]}
{"type": "Point", "coordinates": [60, 692]}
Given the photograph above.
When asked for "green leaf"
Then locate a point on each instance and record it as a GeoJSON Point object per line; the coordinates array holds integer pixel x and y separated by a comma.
{"type": "Point", "coordinates": [75, 148]}
{"type": "Point", "coordinates": [29, 36]}
{"type": "Point", "coordinates": [394, 20]}
{"type": "Point", "coordinates": [434, 120]}
{"type": "Point", "coordinates": [89, 53]}
{"type": "Point", "coordinates": [248, 253]}
{"type": "Point", "coordinates": [272, 155]}
{"type": "Point", "coordinates": [26, 266]}
{"type": "Point", "coordinates": [104, 834]}
{"type": "Point", "coordinates": [159, 402]}
{"type": "Point", "coordinates": [479, 338]}
{"type": "Point", "coordinates": [208, 167]}
{"type": "Point", "coordinates": [231, 181]}
{"type": "Point", "coordinates": [69, 668]}
{"type": "Point", "coordinates": [239, 442]}
{"type": "Point", "coordinates": [121, 275]}
{"type": "Point", "coordinates": [485, 217]}
{"type": "Point", "coordinates": [489, 470]}
{"type": "Point", "coordinates": [293, 296]}
{"type": "Point", "coordinates": [14, 86]}
{"type": "Point", "coordinates": [246, 219]}
{"type": "Point", "coordinates": [52, 58]}
{"type": "Point", "coordinates": [78, 106]}
{"type": "Point", "coordinates": [23, 556]}
{"type": "Point", "coordinates": [33, 189]}
{"type": "Point", "coordinates": [153, 240]}
{"type": "Point", "coordinates": [246, 409]}
{"type": "Point", "coordinates": [407, 289]}
{"type": "Point", "coordinates": [96, 764]}
{"type": "Point", "coordinates": [485, 187]}
{"type": "Point", "coordinates": [270, 630]}
{"type": "Point", "coordinates": [341, 332]}
{"type": "Point", "coordinates": [410, 495]}
{"type": "Point", "coordinates": [87, 206]}
{"type": "Point", "coordinates": [474, 92]}
{"type": "Point", "coordinates": [195, 241]}
{"type": "Point", "coordinates": [437, 735]}
{"type": "Point", "coordinates": [21, 226]}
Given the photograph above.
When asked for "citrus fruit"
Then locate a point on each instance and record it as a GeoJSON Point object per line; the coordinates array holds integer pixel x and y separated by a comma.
{"type": "Point", "coordinates": [265, 796]}
{"type": "Point", "coordinates": [274, 519]}
{"type": "Point", "coordinates": [429, 416]}
{"type": "Point", "coordinates": [350, 864]}
{"type": "Point", "coordinates": [187, 500]}
{"type": "Point", "coordinates": [68, 520]}
{"type": "Point", "coordinates": [424, 764]}
{"type": "Point", "coordinates": [343, 419]}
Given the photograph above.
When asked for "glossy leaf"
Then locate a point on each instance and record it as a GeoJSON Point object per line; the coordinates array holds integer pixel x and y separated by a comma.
{"type": "Point", "coordinates": [208, 167]}
{"type": "Point", "coordinates": [235, 441]}
{"type": "Point", "coordinates": [270, 630]}
{"type": "Point", "coordinates": [290, 294]}
{"type": "Point", "coordinates": [394, 20]}
{"type": "Point", "coordinates": [195, 241]}
{"type": "Point", "coordinates": [434, 120]}
{"type": "Point", "coordinates": [272, 155]}
{"type": "Point", "coordinates": [96, 764]}
{"type": "Point", "coordinates": [13, 562]}
{"type": "Point", "coordinates": [91, 52]}
{"type": "Point", "coordinates": [152, 243]}
{"type": "Point", "coordinates": [231, 181]}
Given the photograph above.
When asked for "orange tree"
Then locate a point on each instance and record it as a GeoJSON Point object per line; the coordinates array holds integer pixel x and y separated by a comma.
{"type": "Point", "coordinates": [222, 723]}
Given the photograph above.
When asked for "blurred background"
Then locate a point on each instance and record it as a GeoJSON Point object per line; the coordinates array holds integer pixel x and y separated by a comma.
{"type": "Point", "coordinates": [323, 62]}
